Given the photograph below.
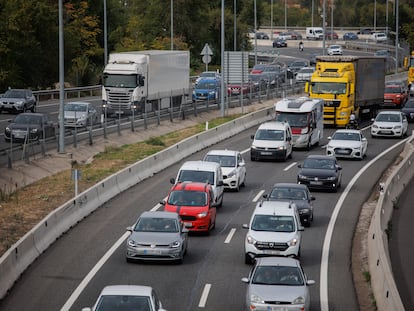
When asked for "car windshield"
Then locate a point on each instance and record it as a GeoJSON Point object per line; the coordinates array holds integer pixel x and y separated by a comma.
{"type": "Point", "coordinates": [392, 90]}
{"type": "Point", "coordinates": [270, 135]}
{"type": "Point", "coordinates": [209, 85]}
{"type": "Point", "coordinates": [297, 64]}
{"type": "Point", "coordinates": [287, 194]}
{"type": "Point", "coordinates": [196, 176]}
{"type": "Point", "coordinates": [187, 198]}
{"type": "Point", "coordinates": [208, 74]}
{"type": "Point", "coordinates": [334, 47]}
{"type": "Point", "coordinates": [256, 78]}
{"type": "Point", "coordinates": [319, 163]}
{"type": "Point", "coordinates": [277, 275]}
{"type": "Point", "coordinates": [294, 119]}
{"type": "Point", "coordinates": [120, 80]}
{"type": "Point", "coordinates": [346, 136]}
{"type": "Point", "coordinates": [328, 88]}
{"type": "Point", "coordinates": [224, 161]}
{"type": "Point", "coordinates": [156, 224]}
{"type": "Point", "coordinates": [259, 67]}
{"type": "Point", "coordinates": [76, 107]}
{"type": "Point", "coordinates": [273, 223]}
{"type": "Point", "coordinates": [14, 94]}
{"type": "Point", "coordinates": [123, 303]}
{"type": "Point", "coordinates": [409, 104]}
{"type": "Point", "coordinates": [28, 119]}
{"type": "Point", "coordinates": [384, 117]}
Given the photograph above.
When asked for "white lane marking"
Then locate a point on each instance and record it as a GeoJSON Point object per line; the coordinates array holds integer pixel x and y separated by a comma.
{"type": "Point", "coordinates": [323, 291]}
{"type": "Point", "coordinates": [245, 151]}
{"type": "Point", "coordinates": [290, 166]}
{"type": "Point", "coordinates": [230, 236]}
{"type": "Point", "coordinates": [93, 272]}
{"type": "Point", "coordinates": [204, 296]}
{"type": "Point", "coordinates": [258, 196]}
{"type": "Point", "coordinates": [156, 207]}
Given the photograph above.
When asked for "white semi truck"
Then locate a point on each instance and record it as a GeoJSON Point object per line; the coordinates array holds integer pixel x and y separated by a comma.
{"type": "Point", "coordinates": [145, 81]}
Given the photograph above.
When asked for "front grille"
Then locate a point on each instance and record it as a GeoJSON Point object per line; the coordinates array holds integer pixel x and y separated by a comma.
{"type": "Point", "coordinates": [266, 149]}
{"type": "Point", "coordinates": [119, 100]}
{"type": "Point", "coordinates": [188, 217]}
{"type": "Point", "coordinates": [272, 246]}
{"type": "Point", "coordinates": [343, 151]}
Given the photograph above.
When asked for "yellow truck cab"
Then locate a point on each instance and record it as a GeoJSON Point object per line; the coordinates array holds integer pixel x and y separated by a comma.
{"type": "Point", "coordinates": [348, 84]}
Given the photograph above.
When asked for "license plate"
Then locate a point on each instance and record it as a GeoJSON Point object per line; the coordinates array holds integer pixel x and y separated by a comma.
{"type": "Point", "coordinates": [152, 252]}
{"type": "Point", "coordinates": [271, 252]}
{"type": "Point", "coordinates": [265, 153]}
{"type": "Point", "coordinates": [315, 182]}
{"type": "Point", "coordinates": [277, 308]}
{"type": "Point", "coordinates": [188, 224]}
{"type": "Point", "coordinates": [341, 152]}
{"type": "Point", "coordinates": [19, 134]}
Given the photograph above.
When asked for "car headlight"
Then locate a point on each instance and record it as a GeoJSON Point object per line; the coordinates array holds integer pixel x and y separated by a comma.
{"type": "Point", "coordinates": [250, 239]}
{"type": "Point", "coordinates": [304, 211]}
{"type": "Point", "coordinates": [331, 178]}
{"type": "Point", "coordinates": [375, 126]}
{"type": "Point", "coordinates": [7, 129]}
{"type": "Point", "coordinates": [212, 92]}
{"type": "Point", "coordinates": [131, 243]}
{"type": "Point", "coordinates": [281, 148]}
{"type": "Point", "coordinates": [300, 176]}
{"type": "Point", "coordinates": [299, 300]}
{"type": "Point", "coordinates": [253, 147]}
{"type": "Point", "coordinates": [202, 215]}
{"type": "Point", "coordinates": [34, 131]}
{"type": "Point", "coordinates": [397, 127]}
{"type": "Point", "coordinates": [256, 299]}
{"type": "Point", "coordinates": [232, 173]}
{"type": "Point", "coordinates": [293, 242]}
{"type": "Point", "coordinates": [194, 93]}
{"type": "Point", "coordinates": [19, 102]}
{"type": "Point", "coordinates": [175, 244]}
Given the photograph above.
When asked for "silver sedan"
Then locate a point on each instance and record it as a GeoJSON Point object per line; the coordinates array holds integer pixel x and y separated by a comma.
{"type": "Point", "coordinates": [158, 236]}
{"type": "Point", "coordinates": [347, 144]}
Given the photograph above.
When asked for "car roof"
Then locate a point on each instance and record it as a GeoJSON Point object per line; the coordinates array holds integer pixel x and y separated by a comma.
{"type": "Point", "coordinates": [191, 186]}
{"type": "Point", "coordinates": [159, 214]}
{"type": "Point", "coordinates": [131, 290]}
{"type": "Point", "coordinates": [273, 125]}
{"type": "Point", "coordinates": [347, 131]}
{"type": "Point", "coordinates": [277, 261]}
{"type": "Point", "coordinates": [389, 112]}
{"type": "Point", "coordinates": [290, 185]}
{"type": "Point", "coordinates": [199, 165]}
{"type": "Point", "coordinates": [282, 208]}
{"type": "Point", "coordinates": [319, 156]}
{"type": "Point", "coordinates": [223, 152]}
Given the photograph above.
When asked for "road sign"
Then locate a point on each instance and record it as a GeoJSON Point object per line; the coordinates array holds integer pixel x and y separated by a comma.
{"type": "Point", "coordinates": [206, 59]}
{"type": "Point", "coordinates": [206, 50]}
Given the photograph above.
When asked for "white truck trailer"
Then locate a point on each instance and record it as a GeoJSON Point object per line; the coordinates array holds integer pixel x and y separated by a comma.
{"type": "Point", "coordinates": [145, 81]}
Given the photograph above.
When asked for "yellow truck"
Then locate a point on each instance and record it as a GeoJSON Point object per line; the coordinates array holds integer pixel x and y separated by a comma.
{"type": "Point", "coordinates": [348, 84]}
{"type": "Point", "coordinates": [410, 78]}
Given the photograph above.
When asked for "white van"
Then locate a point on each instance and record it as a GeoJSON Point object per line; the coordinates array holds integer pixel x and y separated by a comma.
{"type": "Point", "coordinates": [274, 230]}
{"type": "Point", "coordinates": [314, 33]}
{"type": "Point", "coordinates": [273, 140]}
{"type": "Point", "coordinates": [203, 171]}
{"type": "Point", "coordinates": [379, 37]}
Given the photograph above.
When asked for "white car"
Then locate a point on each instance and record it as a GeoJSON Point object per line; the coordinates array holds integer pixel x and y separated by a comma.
{"type": "Point", "coordinates": [347, 144]}
{"type": "Point", "coordinates": [334, 49]}
{"type": "Point", "coordinates": [127, 297]}
{"type": "Point", "coordinates": [232, 165]}
{"type": "Point", "coordinates": [274, 230]}
{"type": "Point", "coordinates": [390, 123]}
{"type": "Point", "coordinates": [304, 74]}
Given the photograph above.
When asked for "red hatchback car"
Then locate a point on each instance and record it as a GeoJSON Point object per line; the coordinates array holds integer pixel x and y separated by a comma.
{"type": "Point", "coordinates": [193, 201]}
{"type": "Point", "coordinates": [395, 95]}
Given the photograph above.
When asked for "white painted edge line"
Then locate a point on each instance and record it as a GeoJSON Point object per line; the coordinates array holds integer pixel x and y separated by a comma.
{"type": "Point", "coordinates": [245, 151]}
{"type": "Point", "coordinates": [230, 236]}
{"type": "Point", "coordinates": [290, 166]}
{"type": "Point", "coordinates": [93, 272]}
{"type": "Point", "coordinates": [204, 296]}
{"type": "Point", "coordinates": [258, 196]}
{"type": "Point", "coordinates": [323, 290]}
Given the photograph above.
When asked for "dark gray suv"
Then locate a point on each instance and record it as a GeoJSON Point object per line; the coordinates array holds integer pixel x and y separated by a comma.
{"type": "Point", "coordinates": [18, 100]}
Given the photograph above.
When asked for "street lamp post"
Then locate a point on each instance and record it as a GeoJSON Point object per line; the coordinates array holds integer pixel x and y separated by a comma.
{"type": "Point", "coordinates": [172, 25]}
{"type": "Point", "coordinates": [285, 15]}
{"type": "Point", "coordinates": [235, 26]}
{"type": "Point", "coordinates": [271, 20]}
{"type": "Point", "coordinates": [255, 34]}
{"type": "Point", "coordinates": [105, 36]}
{"type": "Point", "coordinates": [222, 60]}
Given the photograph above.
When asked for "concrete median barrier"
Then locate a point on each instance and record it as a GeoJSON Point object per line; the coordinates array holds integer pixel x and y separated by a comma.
{"type": "Point", "coordinates": [382, 280]}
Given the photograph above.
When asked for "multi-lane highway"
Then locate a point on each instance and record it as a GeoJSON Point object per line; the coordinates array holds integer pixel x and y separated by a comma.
{"type": "Point", "coordinates": [73, 271]}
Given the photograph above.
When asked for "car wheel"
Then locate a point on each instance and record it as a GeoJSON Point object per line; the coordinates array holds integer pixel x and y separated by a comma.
{"type": "Point", "coordinates": [244, 181]}
{"type": "Point", "coordinates": [308, 146]}
{"type": "Point", "coordinates": [33, 109]}
{"type": "Point", "coordinates": [237, 187]}
{"type": "Point", "coordinates": [24, 109]}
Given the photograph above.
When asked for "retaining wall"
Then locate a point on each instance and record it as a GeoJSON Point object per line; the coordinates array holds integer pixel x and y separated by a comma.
{"type": "Point", "coordinates": [382, 280]}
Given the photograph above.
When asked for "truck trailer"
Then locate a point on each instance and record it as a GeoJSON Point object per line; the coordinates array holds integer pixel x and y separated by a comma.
{"type": "Point", "coordinates": [348, 84]}
{"type": "Point", "coordinates": [145, 81]}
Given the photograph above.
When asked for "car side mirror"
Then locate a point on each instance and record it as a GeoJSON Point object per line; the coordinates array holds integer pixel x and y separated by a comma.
{"type": "Point", "coordinates": [162, 202]}
{"type": "Point", "coordinates": [130, 228]}
{"type": "Point", "coordinates": [300, 165]}
{"type": "Point", "coordinates": [252, 136]}
{"type": "Point", "coordinates": [172, 181]}
{"type": "Point", "coordinates": [339, 168]}
{"type": "Point", "coordinates": [220, 183]}
{"type": "Point", "coordinates": [245, 226]}
{"type": "Point", "coordinates": [313, 198]}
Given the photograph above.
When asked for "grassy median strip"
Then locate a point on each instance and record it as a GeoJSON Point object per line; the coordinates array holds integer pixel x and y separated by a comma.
{"type": "Point", "coordinates": [22, 209]}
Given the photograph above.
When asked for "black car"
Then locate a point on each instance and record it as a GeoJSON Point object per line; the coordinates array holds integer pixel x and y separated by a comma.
{"type": "Point", "coordinates": [260, 81]}
{"type": "Point", "coordinates": [279, 43]}
{"type": "Point", "coordinates": [18, 100]}
{"type": "Point", "coordinates": [262, 35]}
{"type": "Point", "coordinates": [28, 127]}
{"type": "Point", "coordinates": [297, 193]}
{"type": "Point", "coordinates": [321, 172]}
{"type": "Point", "coordinates": [408, 109]}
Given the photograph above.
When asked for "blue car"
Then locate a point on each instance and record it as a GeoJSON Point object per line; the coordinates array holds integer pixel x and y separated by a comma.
{"type": "Point", "coordinates": [350, 36]}
{"type": "Point", "coordinates": [207, 89]}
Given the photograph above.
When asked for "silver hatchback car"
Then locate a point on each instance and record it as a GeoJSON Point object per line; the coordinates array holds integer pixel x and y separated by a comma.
{"type": "Point", "coordinates": [79, 114]}
{"type": "Point", "coordinates": [157, 236]}
{"type": "Point", "coordinates": [277, 283]}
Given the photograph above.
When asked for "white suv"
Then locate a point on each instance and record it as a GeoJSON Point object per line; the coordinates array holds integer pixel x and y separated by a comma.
{"type": "Point", "coordinates": [274, 230]}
